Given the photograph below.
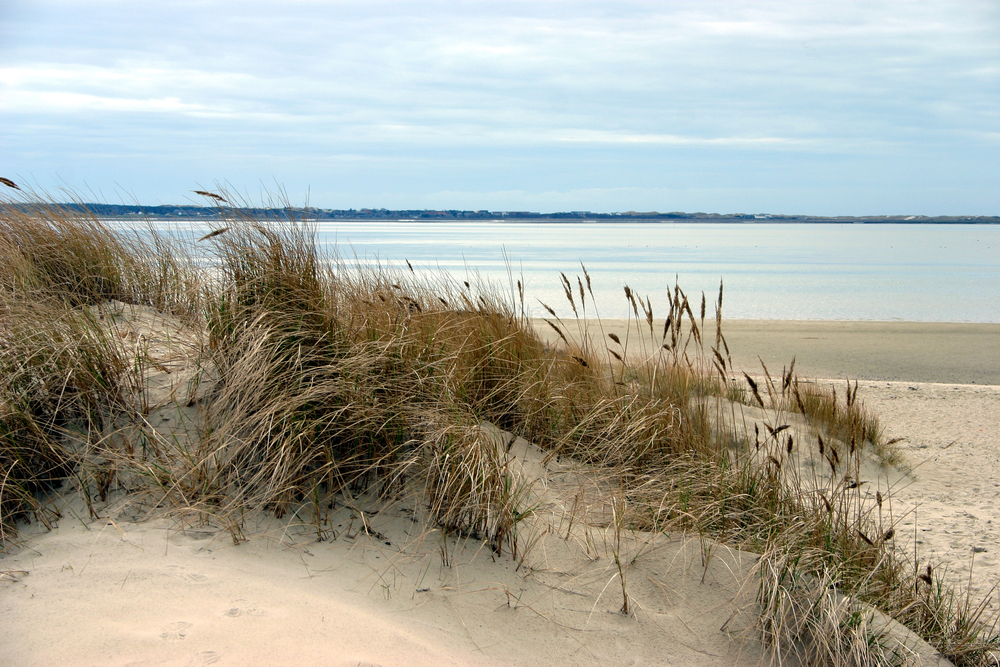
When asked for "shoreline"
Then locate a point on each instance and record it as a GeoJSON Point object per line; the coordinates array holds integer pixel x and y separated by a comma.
{"type": "Point", "coordinates": [961, 353]}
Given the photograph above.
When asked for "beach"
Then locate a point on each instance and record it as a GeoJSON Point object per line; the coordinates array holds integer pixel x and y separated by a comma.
{"type": "Point", "coordinates": [936, 352]}
{"type": "Point", "coordinates": [383, 588]}
{"type": "Point", "coordinates": [935, 385]}
{"type": "Point", "coordinates": [488, 334]}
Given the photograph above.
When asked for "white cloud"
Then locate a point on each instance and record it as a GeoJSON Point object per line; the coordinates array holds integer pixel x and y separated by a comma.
{"type": "Point", "coordinates": [601, 137]}
{"type": "Point", "coordinates": [77, 102]}
{"type": "Point", "coordinates": [522, 81]}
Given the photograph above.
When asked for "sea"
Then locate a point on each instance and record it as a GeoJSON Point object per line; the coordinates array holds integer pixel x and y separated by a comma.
{"type": "Point", "coordinates": [786, 271]}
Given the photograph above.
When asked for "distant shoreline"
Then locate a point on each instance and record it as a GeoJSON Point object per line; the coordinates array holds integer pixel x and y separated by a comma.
{"type": "Point", "coordinates": [195, 212]}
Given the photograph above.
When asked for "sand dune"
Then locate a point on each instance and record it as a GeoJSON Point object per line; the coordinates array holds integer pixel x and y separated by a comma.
{"type": "Point", "coordinates": [151, 594]}
{"type": "Point", "coordinates": [935, 384]}
{"type": "Point", "coordinates": [383, 587]}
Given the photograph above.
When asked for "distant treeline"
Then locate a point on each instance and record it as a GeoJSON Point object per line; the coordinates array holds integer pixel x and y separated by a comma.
{"type": "Point", "coordinates": [209, 212]}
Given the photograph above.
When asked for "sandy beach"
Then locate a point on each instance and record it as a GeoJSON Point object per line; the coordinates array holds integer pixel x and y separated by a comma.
{"type": "Point", "coordinates": [936, 385]}
{"type": "Point", "coordinates": [382, 588]}
{"type": "Point", "coordinates": [937, 352]}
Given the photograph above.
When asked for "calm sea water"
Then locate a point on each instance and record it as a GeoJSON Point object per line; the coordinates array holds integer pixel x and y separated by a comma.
{"type": "Point", "coordinates": [933, 273]}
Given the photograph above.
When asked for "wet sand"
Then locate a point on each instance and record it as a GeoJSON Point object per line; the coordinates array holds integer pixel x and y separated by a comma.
{"type": "Point", "coordinates": [950, 353]}
{"type": "Point", "coordinates": [940, 352]}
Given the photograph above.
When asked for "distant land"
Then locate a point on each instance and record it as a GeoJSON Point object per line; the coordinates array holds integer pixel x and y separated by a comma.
{"type": "Point", "coordinates": [187, 211]}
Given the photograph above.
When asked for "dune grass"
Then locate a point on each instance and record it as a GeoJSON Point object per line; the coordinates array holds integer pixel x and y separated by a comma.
{"type": "Point", "coordinates": [318, 379]}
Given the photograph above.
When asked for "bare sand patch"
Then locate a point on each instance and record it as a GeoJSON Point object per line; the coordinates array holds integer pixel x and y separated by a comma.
{"type": "Point", "coordinates": [939, 352]}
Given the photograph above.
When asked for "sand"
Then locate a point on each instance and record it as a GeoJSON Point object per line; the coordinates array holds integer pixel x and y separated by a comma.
{"type": "Point", "coordinates": [383, 588]}
{"type": "Point", "coordinates": [896, 351]}
{"type": "Point", "coordinates": [939, 352]}
{"type": "Point", "coordinates": [951, 500]}
{"type": "Point", "coordinates": [937, 385]}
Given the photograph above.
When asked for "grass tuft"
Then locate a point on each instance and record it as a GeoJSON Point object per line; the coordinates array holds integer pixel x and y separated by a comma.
{"type": "Point", "coordinates": [306, 380]}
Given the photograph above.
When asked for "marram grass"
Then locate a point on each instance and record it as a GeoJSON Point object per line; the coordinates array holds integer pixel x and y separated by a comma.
{"type": "Point", "coordinates": [314, 381]}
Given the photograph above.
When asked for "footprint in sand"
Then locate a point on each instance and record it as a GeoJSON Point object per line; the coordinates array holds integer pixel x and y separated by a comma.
{"type": "Point", "coordinates": [180, 573]}
{"type": "Point", "coordinates": [175, 632]}
{"type": "Point", "coordinates": [204, 658]}
{"type": "Point", "coordinates": [242, 608]}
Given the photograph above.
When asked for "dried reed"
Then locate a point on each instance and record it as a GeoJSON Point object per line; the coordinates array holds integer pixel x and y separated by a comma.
{"type": "Point", "coordinates": [320, 381]}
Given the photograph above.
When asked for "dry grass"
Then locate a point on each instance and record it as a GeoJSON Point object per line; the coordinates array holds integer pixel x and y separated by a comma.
{"type": "Point", "coordinates": [318, 381]}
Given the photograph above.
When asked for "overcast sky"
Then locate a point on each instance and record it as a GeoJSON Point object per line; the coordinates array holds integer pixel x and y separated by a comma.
{"type": "Point", "coordinates": [829, 108]}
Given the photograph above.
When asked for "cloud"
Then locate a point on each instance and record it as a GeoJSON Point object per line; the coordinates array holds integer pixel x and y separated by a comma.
{"type": "Point", "coordinates": [602, 137]}
{"type": "Point", "coordinates": [264, 85]}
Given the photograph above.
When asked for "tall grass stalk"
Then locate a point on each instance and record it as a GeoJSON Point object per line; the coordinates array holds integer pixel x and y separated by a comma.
{"type": "Point", "coordinates": [321, 379]}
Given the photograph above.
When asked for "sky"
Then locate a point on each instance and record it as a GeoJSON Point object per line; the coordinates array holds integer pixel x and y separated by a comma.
{"type": "Point", "coordinates": [875, 107]}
